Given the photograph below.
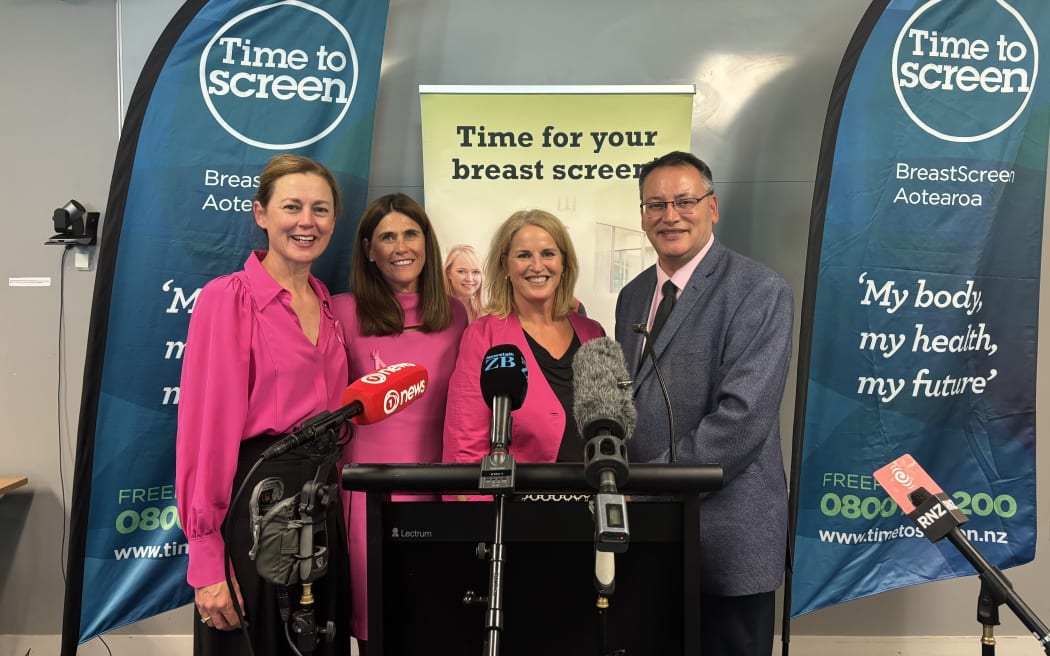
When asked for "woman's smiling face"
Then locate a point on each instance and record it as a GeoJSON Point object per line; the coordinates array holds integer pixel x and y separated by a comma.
{"type": "Point", "coordinates": [398, 248]}
{"type": "Point", "coordinates": [534, 265]}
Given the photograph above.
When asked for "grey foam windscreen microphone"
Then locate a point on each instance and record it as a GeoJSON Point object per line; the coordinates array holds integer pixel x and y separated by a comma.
{"type": "Point", "coordinates": [603, 391]}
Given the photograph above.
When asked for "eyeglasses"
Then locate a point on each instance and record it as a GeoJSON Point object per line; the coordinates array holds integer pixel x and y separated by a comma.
{"type": "Point", "coordinates": [656, 209]}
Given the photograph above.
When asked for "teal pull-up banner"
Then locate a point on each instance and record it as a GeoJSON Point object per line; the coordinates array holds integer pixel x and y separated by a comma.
{"type": "Point", "coordinates": [229, 84]}
{"type": "Point", "coordinates": [922, 288]}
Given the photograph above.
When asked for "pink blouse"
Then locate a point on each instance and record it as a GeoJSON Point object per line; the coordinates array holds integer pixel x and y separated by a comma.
{"type": "Point", "coordinates": [247, 370]}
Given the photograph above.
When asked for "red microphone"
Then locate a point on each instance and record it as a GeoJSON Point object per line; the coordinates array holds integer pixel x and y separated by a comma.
{"type": "Point", "coordinates": [376, 396]}
{"type": "Point", "coordinates": [368, 399]}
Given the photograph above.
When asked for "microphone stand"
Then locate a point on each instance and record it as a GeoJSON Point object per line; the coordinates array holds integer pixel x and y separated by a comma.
{"type": "Point", "coordinates": [999, 590]}
{"type": "Point", "coordinates": [494, 612]}
{"type": "Point", "coordinates": [606, 467]}
{"type": "Point", "coordinates": [672, 447]}
{"type": "Point", "coordinates": [602, 604]}
{"type": "Point", "coordinates": [314, 502]}
{"type": "Point", "coordinates": [497, 477]}
{"type": "Point", "coordinates": [942, 520]}
{"type": "Point", "coordinates": [320, 436]}
{"type": "Point", "coordinates": [988, 616]}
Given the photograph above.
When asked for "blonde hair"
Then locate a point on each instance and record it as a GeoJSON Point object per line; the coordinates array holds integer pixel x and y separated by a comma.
{"type": "Point", "coordinates": [497, 285]}
{"type": "Point", "coordinates": [474, 309]}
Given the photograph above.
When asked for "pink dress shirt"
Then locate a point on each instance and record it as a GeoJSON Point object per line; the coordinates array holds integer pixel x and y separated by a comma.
{"type": "Point", "coordinates": [680, 279]}
{"type": "Point", "coordinates": [247, 370]}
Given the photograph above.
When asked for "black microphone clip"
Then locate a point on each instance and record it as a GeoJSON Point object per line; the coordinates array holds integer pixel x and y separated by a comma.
{"type": "Point", "coordinates": [321, 432]}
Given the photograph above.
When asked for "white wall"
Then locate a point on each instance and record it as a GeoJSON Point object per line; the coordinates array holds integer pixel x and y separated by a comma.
{"type": "Point", "coordinates": [763, 70]}
{"type": "Point", "coordinates": [58, 122]}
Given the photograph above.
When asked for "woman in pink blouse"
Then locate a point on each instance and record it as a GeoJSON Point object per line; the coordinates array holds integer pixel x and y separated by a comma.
{"type": "Point", "coordinates": [398, 311]}
{"type": "Point", "coordinates": [264, 353]}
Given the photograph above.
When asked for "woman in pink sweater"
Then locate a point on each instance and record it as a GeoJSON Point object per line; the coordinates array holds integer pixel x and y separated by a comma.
{"type": "Point", "coordinates": [397, 311]}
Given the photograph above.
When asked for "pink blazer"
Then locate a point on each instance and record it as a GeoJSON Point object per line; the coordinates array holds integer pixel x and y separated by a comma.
{"type": "Point", "coordinates": [540, 422]}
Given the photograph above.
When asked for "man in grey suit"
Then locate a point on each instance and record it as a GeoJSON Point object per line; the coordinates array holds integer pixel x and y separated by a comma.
{"type": "Point", "coordinates": [723, 343]}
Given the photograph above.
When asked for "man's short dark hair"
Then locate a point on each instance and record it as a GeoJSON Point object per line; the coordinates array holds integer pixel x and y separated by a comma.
{"type": "Point", "coordinates": [677, 158]}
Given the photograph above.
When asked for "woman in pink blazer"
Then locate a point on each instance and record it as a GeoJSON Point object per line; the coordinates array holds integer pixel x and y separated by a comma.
{"type": "Point", "coordinates": [530, 275]}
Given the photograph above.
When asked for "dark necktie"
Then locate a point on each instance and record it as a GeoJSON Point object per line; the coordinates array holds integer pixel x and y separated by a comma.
{"type": "Point", "coordinates": [663, 310]}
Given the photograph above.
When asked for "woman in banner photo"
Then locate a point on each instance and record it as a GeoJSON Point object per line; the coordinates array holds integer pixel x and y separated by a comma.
{"type": "Point", "coordinates": [397, 312]}
{"type": "Point", "coordinates": [263, 354]}
{"type": "Point", "coordinates": [463, 278]}
{"type": "Point", "coordinates": [530, 275]}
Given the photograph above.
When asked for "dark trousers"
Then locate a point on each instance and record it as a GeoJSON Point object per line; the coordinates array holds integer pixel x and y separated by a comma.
{"type": "Point", "coordinates": [332, 591]}
{"type": "Point", "coordinates": [737, 626]}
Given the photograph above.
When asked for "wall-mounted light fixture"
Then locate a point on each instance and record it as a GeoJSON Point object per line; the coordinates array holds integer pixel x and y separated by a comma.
{"type": "Point", "coordinates": [74, 226]}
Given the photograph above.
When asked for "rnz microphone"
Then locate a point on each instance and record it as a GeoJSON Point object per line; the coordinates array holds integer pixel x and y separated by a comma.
{"type": "Point", "coordinates": [504, 383]}
{"type": "Point", "coordinates": [920, 497]}
{"type": "Point", "coordinates": [936, 514]}
{"type": "Point", "coordinates": [604, 407]}
{"type": "Point", "coordinates": [371, 398]}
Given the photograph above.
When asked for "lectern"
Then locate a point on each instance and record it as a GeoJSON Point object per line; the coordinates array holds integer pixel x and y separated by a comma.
{"type": "Point", "coordinates": [423, 561]}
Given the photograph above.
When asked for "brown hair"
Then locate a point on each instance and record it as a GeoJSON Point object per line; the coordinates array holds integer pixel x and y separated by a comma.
{"type": "Point", "coordinates": [378, 312]}
{"type": "Point", "coordinates": [287, 164]}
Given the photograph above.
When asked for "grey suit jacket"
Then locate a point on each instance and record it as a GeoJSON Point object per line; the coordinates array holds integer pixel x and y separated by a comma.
{"type": "Point", "coordinates": [724, 353]}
